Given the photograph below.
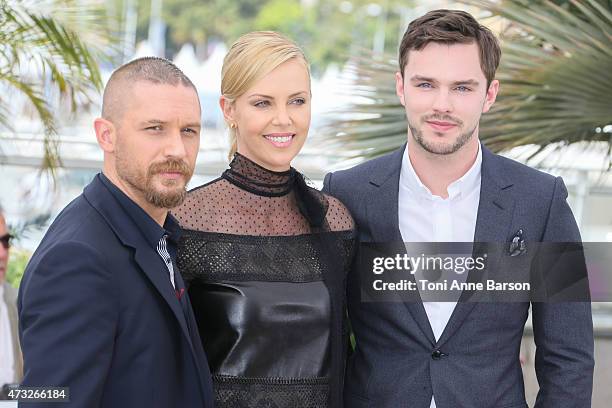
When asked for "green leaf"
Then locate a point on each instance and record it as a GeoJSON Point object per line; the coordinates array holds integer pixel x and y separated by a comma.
{"type": "Point", "coordinates": [51, 34]}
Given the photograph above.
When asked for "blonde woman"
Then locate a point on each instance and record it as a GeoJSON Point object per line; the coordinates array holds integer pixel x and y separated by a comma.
{"type": "Point", "coordinates": [264, 255]}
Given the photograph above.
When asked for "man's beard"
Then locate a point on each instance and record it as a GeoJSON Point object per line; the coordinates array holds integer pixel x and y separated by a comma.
{"type": "Point", "coordinates": [145, 185]}
{"type": "Point", "coordinates": [440, 148]}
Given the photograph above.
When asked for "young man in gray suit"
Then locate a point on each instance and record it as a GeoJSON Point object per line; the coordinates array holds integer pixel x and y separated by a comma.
{"type": "Point", "coordinates": [444, 186]}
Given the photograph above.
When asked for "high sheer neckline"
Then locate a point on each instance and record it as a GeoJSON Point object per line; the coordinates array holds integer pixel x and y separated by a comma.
{"type": "Point", "coordinates": [251, 200]}
{"type": "Point", "coordinates": [254, 178]}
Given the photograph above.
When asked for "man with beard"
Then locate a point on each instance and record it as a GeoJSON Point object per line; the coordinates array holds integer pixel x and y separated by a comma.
{"type": "Point", "coordinates": [102, 305]}
{"type": "Point", "coordinates": [444, 186]}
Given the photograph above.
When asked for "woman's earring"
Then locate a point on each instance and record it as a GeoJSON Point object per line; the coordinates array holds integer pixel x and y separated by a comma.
{"type": "Point", "coordinates": [232, 125]}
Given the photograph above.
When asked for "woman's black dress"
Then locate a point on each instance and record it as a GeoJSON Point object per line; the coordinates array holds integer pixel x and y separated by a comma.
{"type": "Point", "coordinates": [265, 259]}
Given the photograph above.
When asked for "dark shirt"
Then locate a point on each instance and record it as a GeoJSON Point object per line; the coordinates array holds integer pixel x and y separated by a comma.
{"type": "Point", "coordinates": [154, 234]}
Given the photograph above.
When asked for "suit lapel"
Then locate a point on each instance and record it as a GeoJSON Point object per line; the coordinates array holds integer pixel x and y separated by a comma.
{"type": "Point", "coordinates": [495, 212]}
{"type": "Point", "coordinates": [383, 222]}
{"type": "Point", "coordinates": [147, 258]}
{"type": "Point", "coordinates": [151, 265]}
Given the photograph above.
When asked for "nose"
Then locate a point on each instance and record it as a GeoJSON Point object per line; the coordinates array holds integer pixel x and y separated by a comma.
{"type": "Point", "coordinates": [175, 146]}
{"type": "Point", "coordinates": [282, 117]}
{"type": "Point", "coordinates": [442, 102]}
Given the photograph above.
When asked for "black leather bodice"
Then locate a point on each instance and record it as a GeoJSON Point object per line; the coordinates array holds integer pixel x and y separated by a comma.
{"type": "Point", "coordinates": [264, 329]}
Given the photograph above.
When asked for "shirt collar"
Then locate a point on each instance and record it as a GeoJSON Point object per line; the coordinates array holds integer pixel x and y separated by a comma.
{"type": "Point", "coordinates": [151, 230]}
{"type": "Point", "coordinates": [459, 188]}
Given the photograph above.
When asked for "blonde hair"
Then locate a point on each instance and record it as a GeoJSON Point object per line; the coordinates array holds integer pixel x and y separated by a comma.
{"type": "Point", "coordinates": [250, 58]}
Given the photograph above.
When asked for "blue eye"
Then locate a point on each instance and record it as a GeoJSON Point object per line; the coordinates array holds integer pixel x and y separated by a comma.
{"type": "Point", "coordinates": [424, 85]}
{"type": "Point", "coordinates": [299, 101]}
{"type": "Point", "coordinates": [463, 89]}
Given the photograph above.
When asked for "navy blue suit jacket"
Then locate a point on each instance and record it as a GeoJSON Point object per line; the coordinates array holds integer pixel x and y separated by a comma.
{"type": "Point", "coordinates": [395, 363]}
{"type": "Point", "coordinates": [99, 315]}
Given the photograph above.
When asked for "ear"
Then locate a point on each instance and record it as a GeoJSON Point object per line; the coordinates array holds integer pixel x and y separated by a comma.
{"type": "Point", "coordinates": [227, 108]}
{"type": "Point", "coordinates": [106, 134]}
{"type": "Point", "coordinates": [490, 96]}
{"type": "Point", "coordinates": [399, 87]}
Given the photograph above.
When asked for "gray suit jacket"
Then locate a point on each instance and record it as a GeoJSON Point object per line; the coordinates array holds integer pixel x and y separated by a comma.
{"type": "Point", "coordinates": [395, 364]}
{"type": "Point", "coordinates": [10, 299]}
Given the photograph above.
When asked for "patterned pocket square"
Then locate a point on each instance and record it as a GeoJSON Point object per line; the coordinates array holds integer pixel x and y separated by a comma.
{"type": "Point", "coordinates": [517, 245]}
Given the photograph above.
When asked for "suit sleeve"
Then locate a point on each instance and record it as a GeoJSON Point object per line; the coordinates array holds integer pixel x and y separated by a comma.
{"type": "Point", "coordinates": [563, 331]}
{"type": "Point", "coordinates": [68, 321]}
{"type": "Point", "coordinates": [327, 189]}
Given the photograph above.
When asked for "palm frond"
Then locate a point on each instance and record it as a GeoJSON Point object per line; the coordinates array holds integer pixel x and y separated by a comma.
{"type": "Point", "coordinates": [568, 93]}
{"type": "Point", "coordinates": [46, 48]}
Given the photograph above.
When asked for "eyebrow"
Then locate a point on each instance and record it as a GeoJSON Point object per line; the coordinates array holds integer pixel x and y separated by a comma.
{"type": "Point", "coordinates": [193, 124]}
{"type": "Point", "coordinates": [419, 78]}
{"type": "Point", "coordinates": [153, 122]}
{"type": "Point", "coordinates": [162, 122]}
{"type": "Point", "coordinates": [271, 97]}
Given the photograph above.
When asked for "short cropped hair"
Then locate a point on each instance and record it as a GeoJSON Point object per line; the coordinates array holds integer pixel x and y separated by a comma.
{"type": "Point", "coordinates": [451, 27]}
{"type": "Point", "coordinates": [150, 69]}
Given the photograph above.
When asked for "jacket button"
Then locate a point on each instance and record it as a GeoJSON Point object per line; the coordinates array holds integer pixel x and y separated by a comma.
{"type": "Point", "coordinates": [437, 354]}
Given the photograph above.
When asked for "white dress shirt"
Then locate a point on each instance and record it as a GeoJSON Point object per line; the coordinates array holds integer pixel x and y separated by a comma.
{"type": "Point", "coordinates": [424, 217]}
{"type": "Point", "coordinates": [7, 358]}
